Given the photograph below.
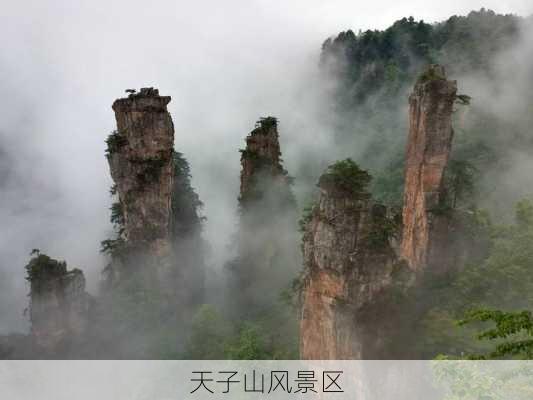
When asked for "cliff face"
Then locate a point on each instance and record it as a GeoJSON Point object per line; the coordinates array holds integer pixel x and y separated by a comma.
{"type": "Point", "coordinates": [157, 216]}
{"type": "Point", "coordinates": [59, 305]}
{"type": "Point", "coordinates": [428, 151]}
{"type": "Point", "coordinates": [348, 262]}
{"type": "Point", "coordinates": [140, 158]}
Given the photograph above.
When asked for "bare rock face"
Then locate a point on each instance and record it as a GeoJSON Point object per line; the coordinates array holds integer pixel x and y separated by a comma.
{"type": "Point", "coordinates": [428, 151]}
{"type": "Point", "coordinates": [348, 263]}
{"type": "Point", "coordinates": [140, 158]}
{"type": "Point", "coordinates": [59, 305]}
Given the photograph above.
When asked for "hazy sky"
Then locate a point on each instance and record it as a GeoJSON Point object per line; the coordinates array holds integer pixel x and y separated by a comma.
{"type": "Point", "coordinates": [225, 63]}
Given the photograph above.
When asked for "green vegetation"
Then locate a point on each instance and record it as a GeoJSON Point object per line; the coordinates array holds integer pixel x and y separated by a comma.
{"type": "Point", "coordinates": [117, 214]}
{"type": "Point", "coordinates": [209, 332]}
{"type": "Point", "coordinates": [470, 312]}
{"type": "Point", "coordinates": [376, 70]}
{"type": "Point", "coordinates": [138, 309]}
{"type": "Point", "coordinates": [384, 228]}
{"type": "Point", "coordinates": [186, 205]}
{"type": "Point", "coordinates": [387, 183]}
{"type": "Point", "coordinates": [460, 180]}
{"type": "Point", "coordinates": [513, 329]}
{"type": "Point", "coordinates": [269, 184]}
{"type": "Point", "coordinates": [41, 268]}
{"type": "Point", "coordinates": [261, 326]}
{"type": "Point", "coordinates": [114, 142]}
{"type": "Point", "coordinates": [259, 162]}
{"type": "Point", "coordinates": [346, 175]}
{"type": "Point", "coordinates": [154, 319]}
{"type": "Point", "coordinates": [430, 74]}
{"type": "Point", "coordinates": [115, 245]}
{"type": "Point", "coordinates": [467, 380]}
{"type": "Point", "coordinates": [266, 123]}
{"type": "Point", "coordinates": [398, 53]}
{"type": "Point", "coordinates": [489, 289]}
{"type": "Point", "coordinates": [151, 170]}
{"type": "Point", "coordinates": [307, 215]}
{"type": "Point", "coordinates": [272, 335]}
{"type": "Point", "coordinates": [463, 99]}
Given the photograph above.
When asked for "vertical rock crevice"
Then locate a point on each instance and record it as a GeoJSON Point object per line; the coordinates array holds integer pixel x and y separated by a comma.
{"type": "Point", "coordinates": [140, 155]}
{"type": "Point", "coordinates": [348, 261]}
{"type": "Point", "coordinates": [429, 145]}
{"type": "Point", "coordinates": [349, 281]}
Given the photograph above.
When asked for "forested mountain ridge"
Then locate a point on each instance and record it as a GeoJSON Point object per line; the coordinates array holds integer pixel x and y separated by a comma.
{"type": "Point", "coordinates": [488, 53]}
{"type": "Point", "coordinates": [388, 60]}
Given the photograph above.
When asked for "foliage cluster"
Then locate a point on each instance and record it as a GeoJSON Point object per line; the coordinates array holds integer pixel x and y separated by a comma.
{"type": "Point", "coordinates": [114, 142]}
{"type": "Point", "coordinates": [515, 329]}
{"type": "Point", "coordinates": [430, 74]}
{"type": "Point", "coordinates": [271, 335]}
{"type": "Point", "coordinates": [186, 205]}
{"type": "Point", "coordinates": [384, 228]}
{"type": "Point", "coordinates": [41, 268]}
{"type": "Point", "coordinates": [487, 291]}
{"type": "Point", "coordinates": [265, 123]}
{"type": "Point", "coordinates": [347, 176]}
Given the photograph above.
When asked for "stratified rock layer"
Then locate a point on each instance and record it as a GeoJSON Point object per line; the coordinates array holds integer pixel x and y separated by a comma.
{"type": "Point", "coordinates": [140, 158]}
{"type": "Point", "coordinates": [348, 263]}
{"type": "Point", "coordinates": [428, 151]}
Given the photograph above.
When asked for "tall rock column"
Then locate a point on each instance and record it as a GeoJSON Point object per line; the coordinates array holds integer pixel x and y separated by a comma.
{"type": "Point", "coordinates": [428, 151]}
{"type": "Point", "coordinates": [348, 263]}
{"type": "Point", "coordinates": [267, 241]}
{"type": "Point", "coordinates": [140, 158]}
{"type": "Point", "coordinates": [261, 164]}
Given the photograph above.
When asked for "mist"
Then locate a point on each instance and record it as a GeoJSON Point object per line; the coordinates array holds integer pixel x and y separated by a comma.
{"type": "Point", "coordinates": [225, 65]}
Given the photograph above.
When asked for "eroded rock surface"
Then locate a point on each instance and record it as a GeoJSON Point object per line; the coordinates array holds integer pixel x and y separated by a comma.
{"type": "Point", "coordinates": [140, 158]}
{"type": "Point", "coordinates": [59, 305]}
{"type": "Point", "coordinates": [428, 151]}
{"type": "Point", "coordinates": [348, 262]}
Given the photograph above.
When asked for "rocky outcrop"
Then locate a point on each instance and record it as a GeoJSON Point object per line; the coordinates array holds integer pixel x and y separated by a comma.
{"type": "Point", "coordinates": [140, 155]}
{"type": "Point", "coordinates": [425, 224]}
{"type": "Point", "coordinates": [59, 305]}
{"type": "Point", "coordinates": [158, 244]}
{"type": "Point", "coordinates": [267, 240]}
{"type": "Point", "coordinates": [261, 163]}
{"type": "Point", "coordinates": [348, 262]}
{"type": "Point", "coordinates": [349, 286]}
